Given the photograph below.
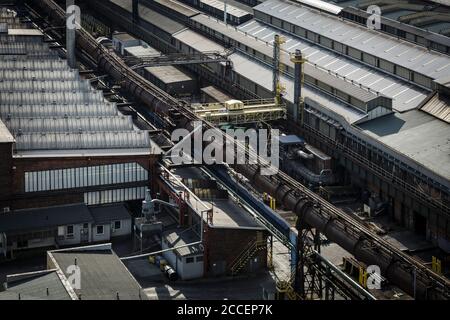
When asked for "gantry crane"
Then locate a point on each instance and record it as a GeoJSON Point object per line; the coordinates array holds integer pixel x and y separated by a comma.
{"type": "Point", "coordinates": [250, 111]}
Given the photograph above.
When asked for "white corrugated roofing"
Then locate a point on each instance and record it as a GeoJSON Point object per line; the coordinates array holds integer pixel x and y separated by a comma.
{"type": "Point", "coordinates": [399, 52]}
{"type": "Point", "coordinates": [74, 125]}
{"type": "Point", "coordinates": [38, 75]}
{"type": "Point", "coordinates": [322, 5]}
{"type": "Point", "coordinates": [57, 110]}
{"type": "Point", "coordinates": [51, 111]}
{"type": "Point", "coordinates": [201, 43]}
{"type": "Point", "coordinates": [65, 97]}
{"type": "Point", "coordinates": [33, 64]}
{"type": "Point", "coordinates": [219, 5]}
{"type": "Point", "coordinates": [404, 96]}
{"type": "Point", "coordinates": [90, 140]}
{"type": "Point", "coordinates": [45, 85]}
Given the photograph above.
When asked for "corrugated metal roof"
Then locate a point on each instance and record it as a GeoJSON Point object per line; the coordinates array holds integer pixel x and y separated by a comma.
{"type": "Point", "coordinates": [198, 41]}
{"type": "Point", "coordinates": [262, 75]}
{"type": "Point", "coordinates": [82, 124]}
{"type": "Point", "coordinates": [45, 85]}
{"type": "Point", "coordinates": [219, 5]}
{"type": "Point", "coordinates": [32, 64]}
{"type": "Point", "coordinates": [76, 141]}
{"type": "Point", "coordinates": [322, 5]}
{"type": "Point", "coordinates": [399, 52]}
{"type": "Point", "coordinates": [404, 95]}
{"type": "Point", "coordinates": [38, 75]}
{"type": "Point", "coordinates": [53, 110]}
{"type": "Point", "coordinates": [438, 106]}
{"type": "Point", "coordinates": [50, 109]}
{"type": "Point", "coordinates": [162, 22]}
{"type": "Point", "coordinates": [25, 98]}
{"type": "Point", "coordinates": [178, 6]}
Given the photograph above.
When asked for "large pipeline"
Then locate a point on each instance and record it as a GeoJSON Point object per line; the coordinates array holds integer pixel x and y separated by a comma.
{"type": "Point", "coordinates": [400, 269]}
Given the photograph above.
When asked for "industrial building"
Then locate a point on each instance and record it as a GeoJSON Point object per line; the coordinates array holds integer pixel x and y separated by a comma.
{"type": "Point", "coordinates": [61, 226]}
{"type": "Point", "coordinates": [98, 263]}
{"type": "Point", "coordinates": [364, 165]}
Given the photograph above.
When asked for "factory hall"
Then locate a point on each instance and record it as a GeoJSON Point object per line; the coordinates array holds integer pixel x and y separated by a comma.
{"type": "Point", "coordinates": [326, 125]}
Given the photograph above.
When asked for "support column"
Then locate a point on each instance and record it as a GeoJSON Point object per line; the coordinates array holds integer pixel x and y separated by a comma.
{"type": "Point", "coordinates": [297, 59]}
{"type": "Point", "coordinates": [71, 34]}
{"type": "Point", "coordinates": [135, 10]}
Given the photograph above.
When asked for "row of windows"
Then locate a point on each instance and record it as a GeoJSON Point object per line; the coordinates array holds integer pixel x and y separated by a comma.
{"type": "Point", "coordinates": [116, 195]}
{"type": "Point", "coordinates": [401, 33]}
{"type": "Point", "coordinates": [349, 51]}
{"type": "Point", "coordinates": [84, 177]}
{"type": "Point", "coordinates": [192, 260]}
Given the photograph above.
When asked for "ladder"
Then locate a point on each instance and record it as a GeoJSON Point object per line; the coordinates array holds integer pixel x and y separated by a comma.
{"type": "Point", "coordinates": [248, 253]}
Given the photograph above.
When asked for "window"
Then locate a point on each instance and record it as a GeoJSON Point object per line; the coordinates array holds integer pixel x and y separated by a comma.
{"type": "Point", "coordinates": [190, 260]}
{"type": "Point", "coordinates": [117, 224]}
{"type": "Point", "coordinates": [69, 231]}
{"type": "Point", "coordinates": [199, 258]}
{"type": "Point", "coordinates": [99, 230]}
{"type": "Point", "coordinates": [85, 225]}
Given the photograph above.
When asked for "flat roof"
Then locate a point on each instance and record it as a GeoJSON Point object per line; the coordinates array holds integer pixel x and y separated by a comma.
{"type": "Point", "coordinates": [201, 43]}
{"type": "Point", "coordinates": [141, 51]}
{"type": "Point", "coordinates": [103, 275]}
{"type": "Point", "coordinates": [25, 32]}
{"type": "Point", "coordinates": [181, 237]}
{"type": "Point", "coordinates": [108, 213]}
{"type": "Point", "coordinates": [162, 22]}
{"type": "Point", "coordinates": [177, 6]}
{"type": "Point", "coordinates": [41, 285]}
{"type": "Point", "coordinates": [417, 135]}
{"type": "Point", "coordinates": [378, 44]}
{"type": "Point", "coordinates": [28, 219]}
{"type": "Point", "coordinates": [216, 93]}
{"type": "Point", "coordinates": [169, 74]}
{"type": "Point", "coordinates": [226, 213]}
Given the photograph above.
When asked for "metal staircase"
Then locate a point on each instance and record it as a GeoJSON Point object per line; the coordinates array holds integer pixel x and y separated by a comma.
{"type": "Point", "coordinates": [248, 253]}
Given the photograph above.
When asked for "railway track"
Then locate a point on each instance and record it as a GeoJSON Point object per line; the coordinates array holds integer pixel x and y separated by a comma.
{"type": "Point", "coordinates": [404, 271]}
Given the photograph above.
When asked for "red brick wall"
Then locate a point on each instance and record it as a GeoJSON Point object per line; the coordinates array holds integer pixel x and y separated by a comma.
{"type": "Point", "coordinates": [5, 174]}
{"type": "Point", "coordinates": [19, 199]}
{"type": "Point", "coordinates": [227, 244]}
